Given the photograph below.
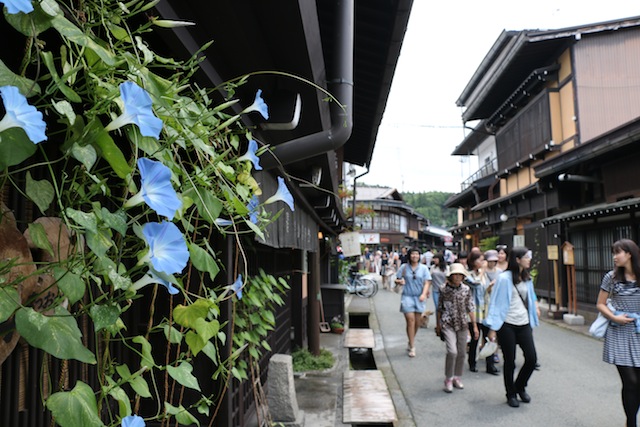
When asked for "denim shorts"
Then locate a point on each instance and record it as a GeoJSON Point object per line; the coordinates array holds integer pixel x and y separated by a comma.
{"type": "Point", "coordinates": [412, 304]}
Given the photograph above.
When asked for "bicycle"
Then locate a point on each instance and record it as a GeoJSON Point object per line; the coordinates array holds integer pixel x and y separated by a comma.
{"type": "Point", "coordinates": [360, 285]}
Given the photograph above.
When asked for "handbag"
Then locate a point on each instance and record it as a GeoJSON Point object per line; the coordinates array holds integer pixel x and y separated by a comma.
{"type": "Point", "coordinates": [487, 350]}
{"type": "Point", "coordinates": [599, 326]}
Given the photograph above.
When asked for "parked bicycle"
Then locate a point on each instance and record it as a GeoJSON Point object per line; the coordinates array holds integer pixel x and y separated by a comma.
{"type": "Point", "coordinates": [361, 286]}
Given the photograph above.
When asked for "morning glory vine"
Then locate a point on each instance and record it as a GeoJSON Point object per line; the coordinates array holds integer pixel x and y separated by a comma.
{"type": "Point", "coordinates": [139, 201]}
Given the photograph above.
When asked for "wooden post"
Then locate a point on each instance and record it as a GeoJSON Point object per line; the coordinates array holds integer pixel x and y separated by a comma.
{"type": "Point", "coordinates": [568, 259]}
{"type": "Point", "coordinates": [552, 255]}
{"type": "Point", "coordinates": [556, 284]}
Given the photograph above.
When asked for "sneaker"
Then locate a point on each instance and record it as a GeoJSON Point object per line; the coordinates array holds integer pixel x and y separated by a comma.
{"type": "Point", "coordinates": [448, 386]}
{"type": "Point", "coordinates": [457, 383]}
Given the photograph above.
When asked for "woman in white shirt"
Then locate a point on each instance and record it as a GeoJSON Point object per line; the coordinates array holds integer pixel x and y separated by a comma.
{"type": "Point", "coordinates": [511, 316]}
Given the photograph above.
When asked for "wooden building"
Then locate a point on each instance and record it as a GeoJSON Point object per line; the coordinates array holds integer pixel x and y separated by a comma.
{"type": "Point", "coordinates": [557, 120]}
{"type": "Point", "coordinates": [298, 51]}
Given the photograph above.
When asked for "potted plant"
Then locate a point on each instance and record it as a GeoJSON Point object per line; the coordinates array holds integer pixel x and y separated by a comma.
{"type": "Point", "coordinates": [337, 325]}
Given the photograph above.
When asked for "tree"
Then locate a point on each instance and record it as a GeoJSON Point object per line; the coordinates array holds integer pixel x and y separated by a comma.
{"type": "Point", "coordinates": [431, 205]}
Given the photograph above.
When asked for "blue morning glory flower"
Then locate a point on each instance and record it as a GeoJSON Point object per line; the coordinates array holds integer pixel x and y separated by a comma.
{"type": "Point", "coordinates": [133, 421]}
{"type": "Point", "coordinates": [157, 190]}
{"type": "Point", "coordinates": [282, 194]}
{"type": "Point", "coordinates": [253, 209]}
{"type": "Point", "coordinates": [237, 286]}
{"type": "Point", "coordinates": [152, 277]}
{"type": "Point", "coordinates": [137, 110]}
{"type": "Point", "coordinates": [16, 6]}
{"type": "Point", "coordinates": [168, 250]}
{"type": "Point", "coordinates": [251, 155]}
{"type": "Point", "coordinates": [258, 105]}
{"type": "Point", "coordinates": [21, 114]}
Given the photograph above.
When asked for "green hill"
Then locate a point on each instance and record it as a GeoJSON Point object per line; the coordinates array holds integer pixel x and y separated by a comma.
{"type": "Point", "coordinates": [431, 205]}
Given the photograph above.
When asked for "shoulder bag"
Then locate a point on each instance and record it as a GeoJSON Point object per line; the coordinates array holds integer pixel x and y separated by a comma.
{"type": "Point", "coordinates": [599, 326]}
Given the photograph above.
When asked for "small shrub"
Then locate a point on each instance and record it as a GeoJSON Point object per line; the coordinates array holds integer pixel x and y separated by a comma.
{"type": "Point", "coordinates": [304, 361]}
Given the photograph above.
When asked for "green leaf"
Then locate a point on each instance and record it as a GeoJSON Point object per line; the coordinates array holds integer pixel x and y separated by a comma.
{"type": "Point", "coordinates": [30, 24]}
{"type": "Point", "coordinates": [119, 33]}
{"type": "Point", "coordinates": [66, 90]}
{"type": "Point", "coordinates": [71, 284]}
{"type": "Point", "coordinates": [137, 382]}
{"type": "Point", "coordinates": [85, 154]}
{"type": "Point", "coordinates": [124, 405]}
{"type": "Point", "coordinates": [195, 343]}
{"type": "Point", "coordinates": [203, 261]}
{"type": "Point", "coordinates": [118, 281]}
{"type": "Point", "coordinates": [239, 374]}
{"type": "Point", "coordinates": [182, 374]}
{"type": "Point", "coordinates": [38, 237]}
{"type": "Point", "coordinates": [74, 408]}
{"type": "Point", "coordinates": [9, 302]}
{"type": "Point", "coordinates": [112, 154]}
{"type": "Point", "coordinates": [15, 147]}
{"type": "Point", "coordinates": [104, 315]}
{"type": "Point", "coordinates": [65, 109]}
{"type": "Point", "coordinates": [116, 221]}
{"type": "Point", "coordinates": [41, 192]}
{"type": "Point", "coordinates": [207, 330]}
{"type": "Point", "coordinates": [147, 358]}
{"type": "Point", "coordinates": [99, 242]}
{"type": "Point", "coordinates": [75, 35]}
{"type": "Point", "coordinates": [58, 335]}
{"type": "Point", "coordinates": [172, 334]}
{"type": "Point", "coordinates": [210, 350]}
{"type": "Point", "coordinates": [9, 78]}
{"type": "Point", "coordinates": [87, 220]}
{"type": "Point", "coordinates": [209, 206]}
{"type": "Point", "coordinates": [50, 7]}
{"type": "Point", "coordinates": [182, 415]}
{"type": "Point", "coordinates": [188, 315]}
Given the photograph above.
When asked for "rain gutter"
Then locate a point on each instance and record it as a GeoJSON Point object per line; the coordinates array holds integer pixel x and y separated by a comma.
{"type": "Point", "coordinates": [341, 111]}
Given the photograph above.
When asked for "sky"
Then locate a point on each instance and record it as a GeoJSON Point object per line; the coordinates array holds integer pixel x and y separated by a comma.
{"type": "Point", "coordinates": [443, 46]}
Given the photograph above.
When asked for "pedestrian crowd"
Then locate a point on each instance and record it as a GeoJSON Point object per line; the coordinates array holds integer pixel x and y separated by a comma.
{"type": "Point", "coordinates": [486, 302]}
{"type": "Point", "coordinates": [476, 307]}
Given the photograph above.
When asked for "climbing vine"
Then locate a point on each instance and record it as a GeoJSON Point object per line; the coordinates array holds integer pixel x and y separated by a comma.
{"type": "Point", "coordinates": [132, 169]}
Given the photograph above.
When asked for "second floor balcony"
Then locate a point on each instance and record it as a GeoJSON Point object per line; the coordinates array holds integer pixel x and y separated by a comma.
{"type": "Point", "coordinates": [488, 169]}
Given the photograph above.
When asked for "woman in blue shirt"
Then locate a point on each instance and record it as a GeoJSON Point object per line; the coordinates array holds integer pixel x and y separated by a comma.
{"type": "Point", "coordinates": [416, 279]}
{"type": "Point", "coordinates": [511, 316]}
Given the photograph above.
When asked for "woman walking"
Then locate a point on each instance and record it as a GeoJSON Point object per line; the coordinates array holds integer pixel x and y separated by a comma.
{"type": "Point", "coordinates": [454, 306]}
{"type": "Point", "coordinates": [438, 272]}
{"type": "Point", "coordinates": [622, 340]}
{"type": "Point", "coordinates": [513, 312]}
{"type": "Point", "coordinates": [416, 279]}
{"type": "Point", "coordinates": [479, 285]}
{"type": "Point", "coordinates": [503, 255]}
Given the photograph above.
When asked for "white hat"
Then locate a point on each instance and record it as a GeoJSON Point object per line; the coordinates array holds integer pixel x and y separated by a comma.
{"type": "Point", "coordinates": [457, 268]}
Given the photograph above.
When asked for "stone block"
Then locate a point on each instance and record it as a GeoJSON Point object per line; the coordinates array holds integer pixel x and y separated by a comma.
{"type": "Point", "coordinates": [281, 392]}
{"type": "Point", "coordinates": [573, 319]}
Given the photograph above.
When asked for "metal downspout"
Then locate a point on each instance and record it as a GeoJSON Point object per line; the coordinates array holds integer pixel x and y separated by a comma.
{"type": "Point", "coordinates": [353, 207]}
{"type": "Point", "coordinates": [340, 86]}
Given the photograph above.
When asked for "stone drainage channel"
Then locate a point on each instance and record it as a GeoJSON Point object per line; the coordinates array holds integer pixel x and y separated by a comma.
{"type": "Point", "coordinates": [361, 358]}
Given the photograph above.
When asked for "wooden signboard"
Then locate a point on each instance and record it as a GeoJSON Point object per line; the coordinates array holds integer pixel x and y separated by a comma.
{"type": "Point", "coordinates": [567, 253]}
{"type": "Point", "coordinates": [552, 252]}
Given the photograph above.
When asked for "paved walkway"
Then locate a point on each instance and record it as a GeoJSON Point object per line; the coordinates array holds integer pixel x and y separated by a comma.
{"type": "Point", "coordinates": [573, 388]}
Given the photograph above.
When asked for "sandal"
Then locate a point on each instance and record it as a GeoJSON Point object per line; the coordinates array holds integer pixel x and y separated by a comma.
{"type": "Point", "coordinates": [412, 352]}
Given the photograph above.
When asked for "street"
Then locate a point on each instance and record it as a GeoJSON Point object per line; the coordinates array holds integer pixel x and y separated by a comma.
{"type": "Point", "coordinates": [572, 388]}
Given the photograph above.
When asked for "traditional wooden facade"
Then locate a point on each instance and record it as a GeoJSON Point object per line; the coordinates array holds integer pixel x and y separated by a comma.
{"type": "Point", "coordinates": [390, 222]}
{"type": "Point", "coordinates": [558, 116]}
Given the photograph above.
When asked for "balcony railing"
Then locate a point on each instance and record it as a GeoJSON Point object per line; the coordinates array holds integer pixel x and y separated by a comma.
{"type": "Point", "coordinates": [489, 168]}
